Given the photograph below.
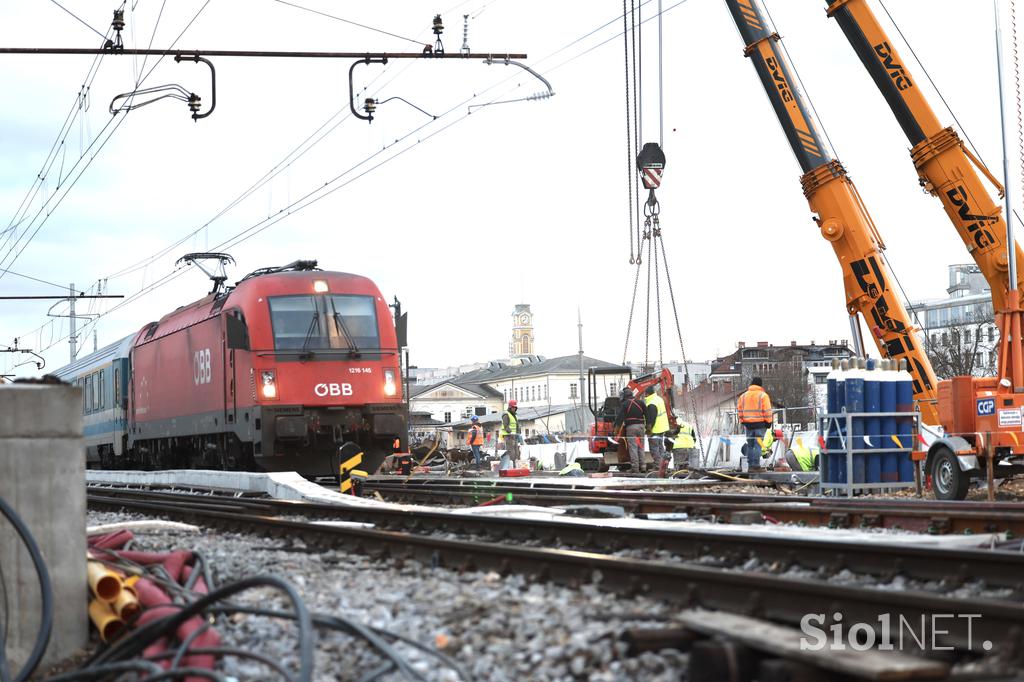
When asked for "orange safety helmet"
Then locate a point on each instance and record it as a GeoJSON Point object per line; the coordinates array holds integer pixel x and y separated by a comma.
{"type": "Point", "coordinates": [513, 403]}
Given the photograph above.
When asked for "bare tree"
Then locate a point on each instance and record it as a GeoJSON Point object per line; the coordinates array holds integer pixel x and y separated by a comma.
{"type": "Point", "coordinates": [966, 348]}
{"type": "Point", "coordinates": [788, 385]}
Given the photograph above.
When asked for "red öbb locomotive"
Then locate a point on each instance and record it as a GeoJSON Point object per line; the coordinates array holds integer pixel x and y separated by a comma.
{"type": "Point", "coordinates": [276, 373]}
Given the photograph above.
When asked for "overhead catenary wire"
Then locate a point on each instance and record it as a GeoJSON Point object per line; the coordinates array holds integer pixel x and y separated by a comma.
{"type": "Point", "coordinates": [165, 279]}
{"type": "Point", "coordinates": [79, 19]}
{"type": "Point", "coordinates": [325, 189]}
{"type": "Point", "coordinates": [34, 279]}
{"type": "Point", "coordinates": [51, 158]}
{"type": "Point", "coordinates": [152, 37]}
{"type": "Point", "coordinates": [48, 163]}
{"type": "Point", "coordinates": [286, 161]}
{"type": "Point", "coordinates": [349, 21]}
{"type": "Point", "coordinates": [574, 42]}
{"type": "Point", "coordinates": [7, 260]}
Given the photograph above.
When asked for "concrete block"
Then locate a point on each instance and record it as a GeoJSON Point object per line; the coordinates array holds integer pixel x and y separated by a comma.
{"type": "Point", "coordinates": [282, 485]}
{"type": "Point", "coordinates": [42, 475]}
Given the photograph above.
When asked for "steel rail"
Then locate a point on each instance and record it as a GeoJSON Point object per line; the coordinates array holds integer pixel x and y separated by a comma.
{"type": "Point", "coordinates": [933, 516]}
{"type": "Point", "coordinates": [949, 569]}
{"type": "Point", "coordinates": [980, 625]}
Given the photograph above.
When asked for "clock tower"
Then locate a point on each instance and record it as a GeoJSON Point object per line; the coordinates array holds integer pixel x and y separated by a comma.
{"type": "Point", "coordinates": [522, 332]}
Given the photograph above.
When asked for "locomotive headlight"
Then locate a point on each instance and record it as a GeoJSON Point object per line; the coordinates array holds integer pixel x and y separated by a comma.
{"type": "Point", "coordinates": [389, 382]}
{"type": "Point", "coordinates": [320, 286]}
{"type": "Point", "coordinates": [268, 384]}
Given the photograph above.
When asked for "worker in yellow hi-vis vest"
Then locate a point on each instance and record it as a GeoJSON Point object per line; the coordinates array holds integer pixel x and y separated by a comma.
{"type": "Point", "coordinates": [684, 448]}
{"type": "Point", "coordinates": [510, 434]}
{"type": "Point", "coordinates": [657, 429]}
{"type": "Point", "coordinates": [802, 457]}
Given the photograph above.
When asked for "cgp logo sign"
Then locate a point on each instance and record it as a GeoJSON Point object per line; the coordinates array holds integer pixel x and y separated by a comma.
{"type": "Point", "coordinates": [986, 407]}
{"type": "Point", "coordinates": [324, 390]}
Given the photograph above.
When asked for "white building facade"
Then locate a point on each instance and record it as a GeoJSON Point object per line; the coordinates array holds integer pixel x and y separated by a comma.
{"type": "Point", "coordinates": [964, 318]}
{"type": "Point", "coordinates": [535, 383]}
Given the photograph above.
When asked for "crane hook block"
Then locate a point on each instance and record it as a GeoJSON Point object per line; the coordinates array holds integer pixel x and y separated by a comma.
{"type": "Point", "coordinates": [650, 163]}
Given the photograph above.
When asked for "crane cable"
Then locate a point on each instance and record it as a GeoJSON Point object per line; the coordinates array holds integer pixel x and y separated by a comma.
{"type": "Point", "coordinates": [629, 141]}
{"type": "Point", "coordinates": [651, 230]}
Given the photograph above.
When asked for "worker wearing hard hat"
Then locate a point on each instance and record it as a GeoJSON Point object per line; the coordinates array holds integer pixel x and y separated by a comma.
{"type": "Point", "coordinates": [754, 409]}
{"type": "Point", "coordinates": [631, 421]}
{"type": "Point", "coordinates": [510, 434]}
{"type": "Point", "coordinates": [475, 439]}
{"type": "Point", "coordinates": [657, 428]}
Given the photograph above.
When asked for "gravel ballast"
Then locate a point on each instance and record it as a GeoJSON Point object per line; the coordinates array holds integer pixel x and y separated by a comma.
{"type": "Point", "coordinates": [497, 628]}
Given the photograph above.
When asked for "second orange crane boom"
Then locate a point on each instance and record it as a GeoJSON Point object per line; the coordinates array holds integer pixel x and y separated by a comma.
{"type": "Point", "coordinates": [839, 211]}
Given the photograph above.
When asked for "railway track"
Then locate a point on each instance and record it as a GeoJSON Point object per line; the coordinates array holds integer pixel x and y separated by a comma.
{"type": "Point", "coordinates": [924, 516]}
{"type": "Point", "coordinates": [466, 542]}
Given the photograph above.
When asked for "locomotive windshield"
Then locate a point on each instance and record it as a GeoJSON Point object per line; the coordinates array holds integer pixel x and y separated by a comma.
{"type": "Point", "coordinates": [324, 322]}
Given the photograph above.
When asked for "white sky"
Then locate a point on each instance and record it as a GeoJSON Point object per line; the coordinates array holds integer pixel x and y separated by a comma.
{"type": "Point", "coordinates": [520, 202]}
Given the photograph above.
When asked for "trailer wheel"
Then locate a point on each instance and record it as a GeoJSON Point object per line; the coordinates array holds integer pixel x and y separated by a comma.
{"type": "Point", "coordinates": [949, 481]}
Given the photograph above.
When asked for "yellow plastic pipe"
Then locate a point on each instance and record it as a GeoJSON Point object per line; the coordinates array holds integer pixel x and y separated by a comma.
{"type": "Point", "coordinates": [106, 621]}
{"type": "Point", "coordinates": [103, 582]}
{"type": "Point", "coordinates": [126, 606]}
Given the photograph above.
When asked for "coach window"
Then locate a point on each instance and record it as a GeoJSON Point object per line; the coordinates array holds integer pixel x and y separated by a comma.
{"type": "Point", "coordinates": [103, 389]}
{"type": "Point", "coordinates": [117, 387]}
{"type": "Point", "coordinates": [88, 394]}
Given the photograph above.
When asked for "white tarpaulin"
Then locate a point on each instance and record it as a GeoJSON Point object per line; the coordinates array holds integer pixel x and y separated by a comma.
{"type": "Point", "coordinates": [545, 453]}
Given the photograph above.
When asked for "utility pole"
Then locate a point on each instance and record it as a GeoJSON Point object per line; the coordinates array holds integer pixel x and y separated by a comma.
{"type": "Point", "coordinates": [73, 338]}
{"type": "Point", "coordinates": [71, 297]}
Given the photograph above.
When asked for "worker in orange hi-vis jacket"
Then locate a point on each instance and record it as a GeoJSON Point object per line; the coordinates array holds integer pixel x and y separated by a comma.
{"type": "Point", "coordinates": [754, 409]}
{"type": "Point", "coordinates": [475, 438]}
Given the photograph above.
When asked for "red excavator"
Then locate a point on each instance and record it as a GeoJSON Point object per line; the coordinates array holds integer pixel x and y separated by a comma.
{"type": "Point", "coordinates": [604, 442]}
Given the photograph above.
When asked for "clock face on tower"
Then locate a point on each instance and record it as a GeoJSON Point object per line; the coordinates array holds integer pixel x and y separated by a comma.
{"type": "Point", "coordinates": [524, 319]}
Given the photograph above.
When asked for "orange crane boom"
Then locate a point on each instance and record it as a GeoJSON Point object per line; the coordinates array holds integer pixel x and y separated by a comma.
{"type": "Point", "coordinates": [840, 213]}
{"type": "Point", "coordinates": [947, 168]}
{"type": "Point", "coordinates": [975, 435]}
